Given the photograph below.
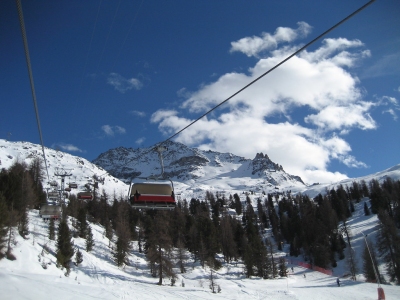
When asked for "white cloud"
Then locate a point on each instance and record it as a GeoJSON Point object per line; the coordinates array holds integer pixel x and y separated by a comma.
{"type": "Point", "coordinates": [140, 140]}
{"type": "Point", "coordinates": [69, 147]}
{"type": "Point", "coordinates": [314, 89]}
{"type": "Point", "coordinates": [391, 112]}
{"type": "Point", "coordinates": [123, 84]}
{"type": "Point", "coordinates": [112, 130]}
{"type": "Point", "coordinates": [332, 117]}
{"type": "Point", "coordinates": [253, 46]}
{"type": "Point", "coordinates": [137, 113]}
{"type": "Point", "coordinates": [392, 102]}
{"type": "Point", "coordinates": [386, 65]}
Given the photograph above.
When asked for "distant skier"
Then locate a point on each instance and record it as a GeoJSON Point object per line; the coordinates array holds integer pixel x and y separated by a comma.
{"type": "Point", "coordinates": [292, 269]}
{"type": "Point", "coordinates": [338, 281]}
{"type": "Point", "coordinates": [304, 275]}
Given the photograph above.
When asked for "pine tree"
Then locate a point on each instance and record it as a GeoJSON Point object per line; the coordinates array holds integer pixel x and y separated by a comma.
{"type": "Point", "coordinates": [181, 256]}
{"type": "Point", "coordinates": [351, 257]}
{"type": "Point", "coordinates": [52, 229]}
{"type": "Point", "coordinates": [159, 250]}
{"type": "Point", "coordinates": [227, 240]}
{"type": "Point", "coordinates": [78, 258]}
{"type": "Point", "coordinates": [388, 244]}
{"type": "Point", "coordinates": [366, 209]}
{"type": "Point", "coordinates": [36, 171]}
{"type": "Point", "coordinates": [89, 239]}
{"type": "Point", "coordinates": [370, 266]}
{"type": "Point", "coordinates": [3, 223]}
{"type": "Point", "coordinates": [23, 224]}
{"type": "Point", "coordinates": [376, 195]}
{"type": "Point", "coordinates": [123, 245]}
{"type": "Point", "coordinates": [82, 223]}
{"type": "Point", "coordinates": [65, 247]}
{"type": "Point", "coordinates": [108, 231]}
{"type": "Point", "coordinates": [282, 271]}
{"type": "Point", "coordinates": [238, 204]}
{"type": "Point", "coordinates": [273, 270]}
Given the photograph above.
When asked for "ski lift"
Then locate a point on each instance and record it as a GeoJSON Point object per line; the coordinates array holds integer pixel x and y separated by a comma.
{"type": "Point", "coordinates": [73, 185]}
{"type": "Point", "coordinates": [85, 196]}
{"type": "Point", "coordinates": [54, 195]}
{"type": "Point", "coordinates": [53, 183]}
{"type": "Point", "coordinates": [50, 211]}
{"type": "Point", "coordinates": [153, 195]}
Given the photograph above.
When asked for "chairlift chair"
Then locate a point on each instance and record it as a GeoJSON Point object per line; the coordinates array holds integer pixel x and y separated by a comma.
{"type": "Point", "coordinates": [54, 195]}
{"type": "Point", "coordinates": [53, 183]}
{"type": "Point", "coordinates": [153, 195]}
{"type": "Point", "coordinates": [85, 196]}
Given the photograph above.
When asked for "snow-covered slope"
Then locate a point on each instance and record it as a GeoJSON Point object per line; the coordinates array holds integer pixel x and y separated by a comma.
{"type": "Point", "coordinates": [34, 275]}
{"type": "Point", "coordinates": [58, 162]}
{"type": "Point", "coordinates": [393, 173]}
{"type": "Point", "coordinates": [98, 277]}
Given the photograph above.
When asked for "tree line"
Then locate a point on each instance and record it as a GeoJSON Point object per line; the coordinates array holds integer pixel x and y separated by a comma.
{"type": "Point", "coordinates": [316, 229]}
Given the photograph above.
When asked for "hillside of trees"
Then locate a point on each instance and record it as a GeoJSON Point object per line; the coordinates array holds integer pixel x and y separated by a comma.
{"type": "Point", "coordinates": [316, 229]}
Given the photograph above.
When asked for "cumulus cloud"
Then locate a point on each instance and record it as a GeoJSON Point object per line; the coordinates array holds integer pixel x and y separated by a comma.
{"type": "Point", "coordinates": [123, 84]}
{"type": "Point", "coordinates": [253, 46]}
{"type": "Point", "coordinates": [315, 91]}
{"type": "Point", "coordinates": [112, 130]}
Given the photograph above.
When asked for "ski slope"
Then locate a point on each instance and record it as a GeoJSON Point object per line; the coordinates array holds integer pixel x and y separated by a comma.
{"type": "Point", "coordinates": [97, 277]}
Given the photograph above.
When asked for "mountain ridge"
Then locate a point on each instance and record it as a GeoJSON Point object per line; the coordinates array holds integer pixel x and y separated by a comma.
{"type": "Point", "coordinates": [194, 171]}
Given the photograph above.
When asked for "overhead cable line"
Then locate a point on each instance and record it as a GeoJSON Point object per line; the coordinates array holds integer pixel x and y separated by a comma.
{"type": "Point", "coordinates": [108, 35]}
{"type": "Point", "coordinates": [261, 76]}
{"type": "Point", "coordinates": [28, 62]}
{"type": "Point", "coordinates": [270, 70]}
{"type": "Point", "coordinates": [87, 55]}
{"type": "Point", "coordinates": [102, 51]}
{"type": "Point", "coordinates": [126, 36]}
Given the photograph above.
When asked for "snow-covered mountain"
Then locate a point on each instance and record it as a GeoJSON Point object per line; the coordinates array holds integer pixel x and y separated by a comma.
{"type": "Point", "coordinates": [193, 171]}
{"type": "Point", "coordinates": [198, 170]}
{"type": "Point", "coordinates": [82, 171]}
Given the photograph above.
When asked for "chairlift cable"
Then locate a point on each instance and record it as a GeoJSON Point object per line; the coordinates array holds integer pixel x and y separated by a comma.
{"type": "Point", "coordinates": [28, 62]}
{"type": "Point", "coordinates": [87, 54]}
{"type": "Point", "coordinates": [272, 69]}
{"type": "Point", "coordinates": [104, 47]}
{"type": "Point", "coordinates": [126, 36]}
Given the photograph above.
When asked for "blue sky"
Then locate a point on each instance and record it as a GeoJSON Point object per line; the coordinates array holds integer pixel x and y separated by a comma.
{"type": "Point", "coordinates": [131, 73]}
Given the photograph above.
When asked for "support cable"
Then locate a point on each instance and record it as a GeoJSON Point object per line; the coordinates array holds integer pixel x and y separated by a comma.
{"type": "Point", "coordinates": [28, 62]}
